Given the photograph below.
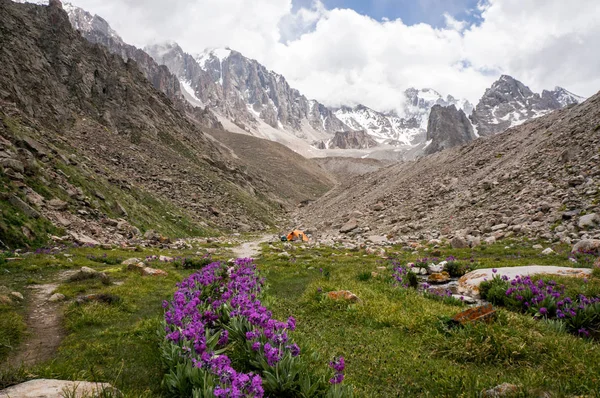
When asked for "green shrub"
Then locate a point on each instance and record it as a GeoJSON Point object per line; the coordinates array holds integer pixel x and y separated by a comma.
{"type": "Point", "coordinates": [195, 263]}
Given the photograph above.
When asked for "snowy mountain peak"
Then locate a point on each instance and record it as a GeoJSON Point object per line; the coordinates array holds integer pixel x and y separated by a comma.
{"type": "Point", "coordinates": [564, 97]}
{"type": "Point", "coordinates": [212, 54]}
{"type": "Point", "coordinates": [509, 103]}
{"type": "Point", "coordinates": [86, 22]}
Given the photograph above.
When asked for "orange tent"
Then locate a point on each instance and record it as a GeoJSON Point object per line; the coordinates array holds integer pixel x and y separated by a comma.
{"type": "Point", "coordinates": [297, 235]}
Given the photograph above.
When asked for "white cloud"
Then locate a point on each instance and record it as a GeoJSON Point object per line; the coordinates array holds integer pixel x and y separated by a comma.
{"type": "Point", "coordinates": [338, 56]}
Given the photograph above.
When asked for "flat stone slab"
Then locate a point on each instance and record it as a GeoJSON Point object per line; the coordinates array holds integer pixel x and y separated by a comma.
{"type": "Point", "coordinates": [47, 388]}
{"type": "Point", "coordinates": [469, 283]}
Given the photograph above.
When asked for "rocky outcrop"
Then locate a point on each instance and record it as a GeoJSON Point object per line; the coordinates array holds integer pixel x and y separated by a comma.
{"type": "Point", "coordinates": [447, 127]}
{"type": "Point", "coordinates": [351, 140]}
{"type": "Point", "coordinates": [509, 103]}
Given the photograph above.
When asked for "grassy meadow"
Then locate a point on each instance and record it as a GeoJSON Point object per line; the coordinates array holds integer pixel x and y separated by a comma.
{"type": "Point", "coordinates": [396, 341]}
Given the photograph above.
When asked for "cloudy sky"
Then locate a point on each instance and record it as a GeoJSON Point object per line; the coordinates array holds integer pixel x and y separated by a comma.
{"type": "Point", "coordinates": [368, 51]}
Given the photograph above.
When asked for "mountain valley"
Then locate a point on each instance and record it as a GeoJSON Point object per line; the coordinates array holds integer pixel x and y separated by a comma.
{"type": "Point", "coordinates": [183, 224]}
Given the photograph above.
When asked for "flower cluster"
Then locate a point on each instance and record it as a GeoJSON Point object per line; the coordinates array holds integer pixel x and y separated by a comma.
{"type": "Point", "coordinates": [217, 309]}
{"type": "Point", "coordinates": [199, 307]}
{"type": "Point", "coordinates": [545, 300]}
{"type": "Point", "coordinates": [338, 365]}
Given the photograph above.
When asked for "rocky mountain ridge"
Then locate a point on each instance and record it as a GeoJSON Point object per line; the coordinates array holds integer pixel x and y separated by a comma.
{"type": "Point", "coordinates": [248, 98]}
{"type": "Point", "coordinates": [509, 103]}
{"type": "Point", "coordinates": [245, 92]}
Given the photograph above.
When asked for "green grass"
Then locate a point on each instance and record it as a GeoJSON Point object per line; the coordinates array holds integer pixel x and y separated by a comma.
{"type": "Point", "coordinates": [114, 342]}
{"type": "Point", "coordinates": [396, 342]}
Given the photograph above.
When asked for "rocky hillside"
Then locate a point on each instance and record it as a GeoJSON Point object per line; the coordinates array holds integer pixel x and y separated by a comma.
{"type": "Point", "coordinates": [93, 152]}
{"type": "Point", "coordinates": [509, 103]}
{"type": "Point", "coordinates": [447, 127]}
{"type": "Point", "coordinates": [541, 179]}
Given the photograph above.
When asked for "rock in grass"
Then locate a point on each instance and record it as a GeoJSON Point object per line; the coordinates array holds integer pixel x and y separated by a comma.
{"type": "Point", "coordinates": [439, 277]}
{"type": "Point", "coordinates": [131, 261]}
{"type": "Point", "coordinates": [503, 390]}
{"type": "Point", "coordinates": [459, 243]}
{"type": "Point", "coordinates": [548, 252]}
{"type": "Point", "coordinates": [345, 295]}
{"type": "Point", "coordinates": [485, 313]}
{"type": "Point", "coordinates": [58, 389]}
{"type": "Point", "coordinates": [147, 271]}
{"type": "Point", "coordinates": [56, 297]}
{"type": "Point", "coordinates": [587, 246]}
{"type": "Point", "coordinates": [17, 295]}
{"type": "Point", "coordinates": [469, 283]}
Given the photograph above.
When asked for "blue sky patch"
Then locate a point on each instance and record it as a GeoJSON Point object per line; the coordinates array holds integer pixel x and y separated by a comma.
{"type": "Point", "coordinates": [410, 11]}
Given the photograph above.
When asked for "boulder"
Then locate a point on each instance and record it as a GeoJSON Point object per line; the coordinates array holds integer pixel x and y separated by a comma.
{"type": "Point", "coordinates": [345, 295]}
{"type": "Point", "coordinates": [13, 164]}
{"type": "Point", "coordinates": [57, 204]}
{"type": "Point", "coordinates": [131, 261]}
{"type": "Point", "coordinates": [459, 243]}
{"type": "Point", "coordinates": [17, 295]}
{"type": "Point", "coordinates": [440, 277]}
{"type": "Point", "coordinates": [45, 388]}
{"type": "Point", "coordinates": [484, 313]}
{"type": "Point", "coordinates": [587, 246]}
{"type": "Point", "coordinates": [147, 271]}
{"type": "Point", "coordinates": [469, 283]}
{"type": "Point", "coordinates": [378, 206]}
{"type": "Point", "coordinates": [548, 252]}
{"type": "Point", "coordinates": [588, 221]}
{"type": "Point", "coordinates": [56, 297]}
{"type": "Point", "coordinates": [24, 207]}
{"type": "Point", "coordinates": [349, 226]}
{"type": "Point", "coordinates": [503, 390]}
{"type": "Point", "coordinates": [83, 239]}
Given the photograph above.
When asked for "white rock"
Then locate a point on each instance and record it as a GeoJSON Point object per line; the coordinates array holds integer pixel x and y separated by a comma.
{"type": "Point", "coordinates": [56, 297]}
{"type": "Point", "coordinates": [45, 388]}
{"type": "Point", "coordinates": [548, 252]}
{"type": "Point", "coordinates": [131, 261]}
{"type": "Point", "coordinates": [469, 283]}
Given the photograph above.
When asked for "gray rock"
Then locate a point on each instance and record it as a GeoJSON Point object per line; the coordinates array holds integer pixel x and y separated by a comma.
{"type": "Point", "coordinates": [587, 246]}
{"type": "Point", "coordinates": [548, 252]}
{"type": "Point", "coordinates": [588, 221]}
{"type": "Point", "coordinates": [17, 295]}
{"type": "Point", "coordinates": [24, 207]}
{"type": "Point", "coordinates": [13, 164]}
{"type": "Point", "coordinates": [57, 204]}
{"type": "Point", "coordinates": [131, 261]}
{"type": "Point", "coordinates": [459, 243]}
{"type": "Point", "coordinates": [349, 226]}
